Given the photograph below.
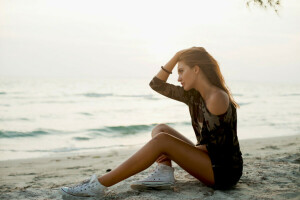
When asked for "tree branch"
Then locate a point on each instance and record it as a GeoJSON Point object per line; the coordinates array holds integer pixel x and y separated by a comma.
{"type": "Point", "coordinates": [273, 4]}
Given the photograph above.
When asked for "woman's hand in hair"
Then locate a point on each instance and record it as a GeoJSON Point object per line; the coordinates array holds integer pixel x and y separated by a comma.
{"type": "Point", "coordinates": [184, 50]}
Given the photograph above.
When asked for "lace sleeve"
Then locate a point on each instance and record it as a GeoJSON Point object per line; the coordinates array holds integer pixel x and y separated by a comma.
{"type": "Point", "coordinates": [171, 91]}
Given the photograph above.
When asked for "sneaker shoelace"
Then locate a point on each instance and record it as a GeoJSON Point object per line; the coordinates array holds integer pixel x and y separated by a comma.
{"type": "Point", "coordinates": [154, 171]}
{"type": "Point", "coordinates": [80, 184]}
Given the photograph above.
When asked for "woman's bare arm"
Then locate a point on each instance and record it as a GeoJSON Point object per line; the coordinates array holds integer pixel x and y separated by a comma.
{"type": "Point", "coordinates": [162, 75]}
{"type": "Point", "coordinates": [202, 147]}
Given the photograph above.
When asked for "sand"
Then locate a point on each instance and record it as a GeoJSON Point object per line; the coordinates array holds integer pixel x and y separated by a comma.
{"type": "Point", "coordinates": [271, 171]}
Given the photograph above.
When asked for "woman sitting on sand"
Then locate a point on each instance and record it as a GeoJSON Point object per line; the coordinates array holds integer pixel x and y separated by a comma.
{"type": "Point", "coordinates": [216, 159]}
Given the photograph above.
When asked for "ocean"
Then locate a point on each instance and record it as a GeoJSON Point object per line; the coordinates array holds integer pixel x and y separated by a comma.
{"type": "Point", "coordinates": [51, 116]}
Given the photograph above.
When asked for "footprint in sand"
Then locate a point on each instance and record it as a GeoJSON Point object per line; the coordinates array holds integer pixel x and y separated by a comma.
{"type": "Point", "coordinates": [96, 157]}
{"type": "Point", "coordinates": [294, 158]}
{"type": "Point", "coordinates": [76, 167]}
{"type": "Point", "coordinates": [22, 174]}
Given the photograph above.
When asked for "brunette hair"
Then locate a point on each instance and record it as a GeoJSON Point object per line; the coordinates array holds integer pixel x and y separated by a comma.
{"type": "Point", "coordinates": [210, 67]}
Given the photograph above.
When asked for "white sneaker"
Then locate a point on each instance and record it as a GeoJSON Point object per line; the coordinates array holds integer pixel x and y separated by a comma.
{"type": "Point", "coordinates": [161, 178]}
{"type": "Point", "coordinates": [88, 188]}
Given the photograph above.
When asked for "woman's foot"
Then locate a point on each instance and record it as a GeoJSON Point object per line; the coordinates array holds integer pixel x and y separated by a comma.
{"type": "Point", "coordinates": [88, 188]}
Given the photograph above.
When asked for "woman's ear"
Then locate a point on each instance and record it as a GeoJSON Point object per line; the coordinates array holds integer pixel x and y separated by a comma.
{"type": "Point", "coordinates": [196, 69]}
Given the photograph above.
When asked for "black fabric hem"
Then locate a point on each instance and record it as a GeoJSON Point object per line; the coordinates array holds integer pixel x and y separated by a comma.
{"type": "Point", "coordinates": [226, 177]}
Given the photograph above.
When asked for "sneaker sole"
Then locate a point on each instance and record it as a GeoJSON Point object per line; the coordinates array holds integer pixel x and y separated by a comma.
{"type": "Point", "coordinates": [67, 196]}
{"type": "Point", "coordinates": [164, 186]}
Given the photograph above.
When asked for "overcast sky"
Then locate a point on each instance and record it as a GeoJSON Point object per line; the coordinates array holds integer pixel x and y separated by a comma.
{"type": "Point", "coordinates": [69, 38]}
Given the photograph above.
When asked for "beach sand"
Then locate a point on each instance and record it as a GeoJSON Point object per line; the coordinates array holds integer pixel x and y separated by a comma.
{"type": "Point", "coordinates": [271, 171]}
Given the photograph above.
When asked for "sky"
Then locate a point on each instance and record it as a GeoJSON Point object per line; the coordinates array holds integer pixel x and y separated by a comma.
{"type": "Point", "coordinates": [132, 38]}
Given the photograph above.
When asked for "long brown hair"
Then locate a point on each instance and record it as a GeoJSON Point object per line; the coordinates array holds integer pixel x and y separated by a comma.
{"type": "Point", "coordinates": [210, 67]}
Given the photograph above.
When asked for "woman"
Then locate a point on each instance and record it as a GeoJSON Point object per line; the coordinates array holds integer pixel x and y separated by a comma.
{"type": "Point", "coordinates": [216, 159]}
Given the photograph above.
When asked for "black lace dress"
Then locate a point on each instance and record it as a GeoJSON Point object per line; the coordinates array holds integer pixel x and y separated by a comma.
{"type": "Point", "coordinates": [217, 132]}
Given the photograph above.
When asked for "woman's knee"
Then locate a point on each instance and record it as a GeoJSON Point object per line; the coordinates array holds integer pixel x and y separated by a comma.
{"type": "Point", "coordinates": [158, 129]}
{"type": "Point", "coordinates": [162, 136]}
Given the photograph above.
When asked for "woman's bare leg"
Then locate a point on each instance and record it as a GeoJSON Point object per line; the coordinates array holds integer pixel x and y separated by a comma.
{"type": "Point", "coordinates": [193, 160]}
{"type": "Point", "coordinates": [163, 159]}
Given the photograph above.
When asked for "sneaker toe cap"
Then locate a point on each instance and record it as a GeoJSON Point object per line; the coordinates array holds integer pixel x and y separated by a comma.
{"type": "Point", "coordinates": [64, 190]}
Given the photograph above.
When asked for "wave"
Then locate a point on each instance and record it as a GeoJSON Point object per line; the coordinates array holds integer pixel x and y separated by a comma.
{"type": "Point", "coordinates": [14, 134]}
{"type": "Point", "coordinates": [146, 96]}
{"type": "Point", "coordinates": [81, 138]}
{"type": "Point", "coordinates": [107, 131]}
{"type": "Point", "coordinates": [17, 119]}
{"type": "Point", "coordinates": [97, 94]}
{"type": "Point", "coordinates": [110, 131]}
{"type": "Point", "coordinates": [65, 149]}
{"type": "Point", "coordinates": [243, 104]}
{"type": "Point", "coordinates": [114, 131]}
{"type": "Point", "coordinates": [85, 113]}
{"type": "Point", "coordinates": [58, 102]}
{"type": "Point", "coordinates": [238, 95]}
{"type": "Point", "coordinates": [292, 94]}
{"type": "Point", "coordinates": [185, 123]}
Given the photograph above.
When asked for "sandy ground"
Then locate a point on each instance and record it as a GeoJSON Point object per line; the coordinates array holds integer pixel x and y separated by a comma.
{"type": "Point", "coordinates": [271, 171]}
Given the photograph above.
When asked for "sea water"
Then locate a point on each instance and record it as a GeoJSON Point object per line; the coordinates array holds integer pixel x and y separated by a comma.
{"type": "Point", "coordinates": [50, 116]}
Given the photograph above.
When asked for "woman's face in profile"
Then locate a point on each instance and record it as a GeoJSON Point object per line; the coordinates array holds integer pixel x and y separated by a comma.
{"type": "Point", "coordinates": [185, 76]}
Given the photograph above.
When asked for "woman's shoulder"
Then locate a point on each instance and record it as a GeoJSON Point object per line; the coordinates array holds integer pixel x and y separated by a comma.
{"type": "Point", "coordinates": [218, 102]}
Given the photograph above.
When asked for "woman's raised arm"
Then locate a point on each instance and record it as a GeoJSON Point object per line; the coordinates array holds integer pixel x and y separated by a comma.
{"type": "Point", "coordinates": [159, 84]}
{"type": "Point", "coordinates": [162, 75]}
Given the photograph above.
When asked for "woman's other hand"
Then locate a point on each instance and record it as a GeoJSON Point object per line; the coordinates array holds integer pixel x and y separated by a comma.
{"type": "Point", "coordinates": [162, 158]}
{"type": "Point", "coordinates": [183, 50]}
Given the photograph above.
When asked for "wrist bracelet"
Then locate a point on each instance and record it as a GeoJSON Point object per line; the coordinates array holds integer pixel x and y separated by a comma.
{"type": "Point", "coordinates": [166, 70]}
